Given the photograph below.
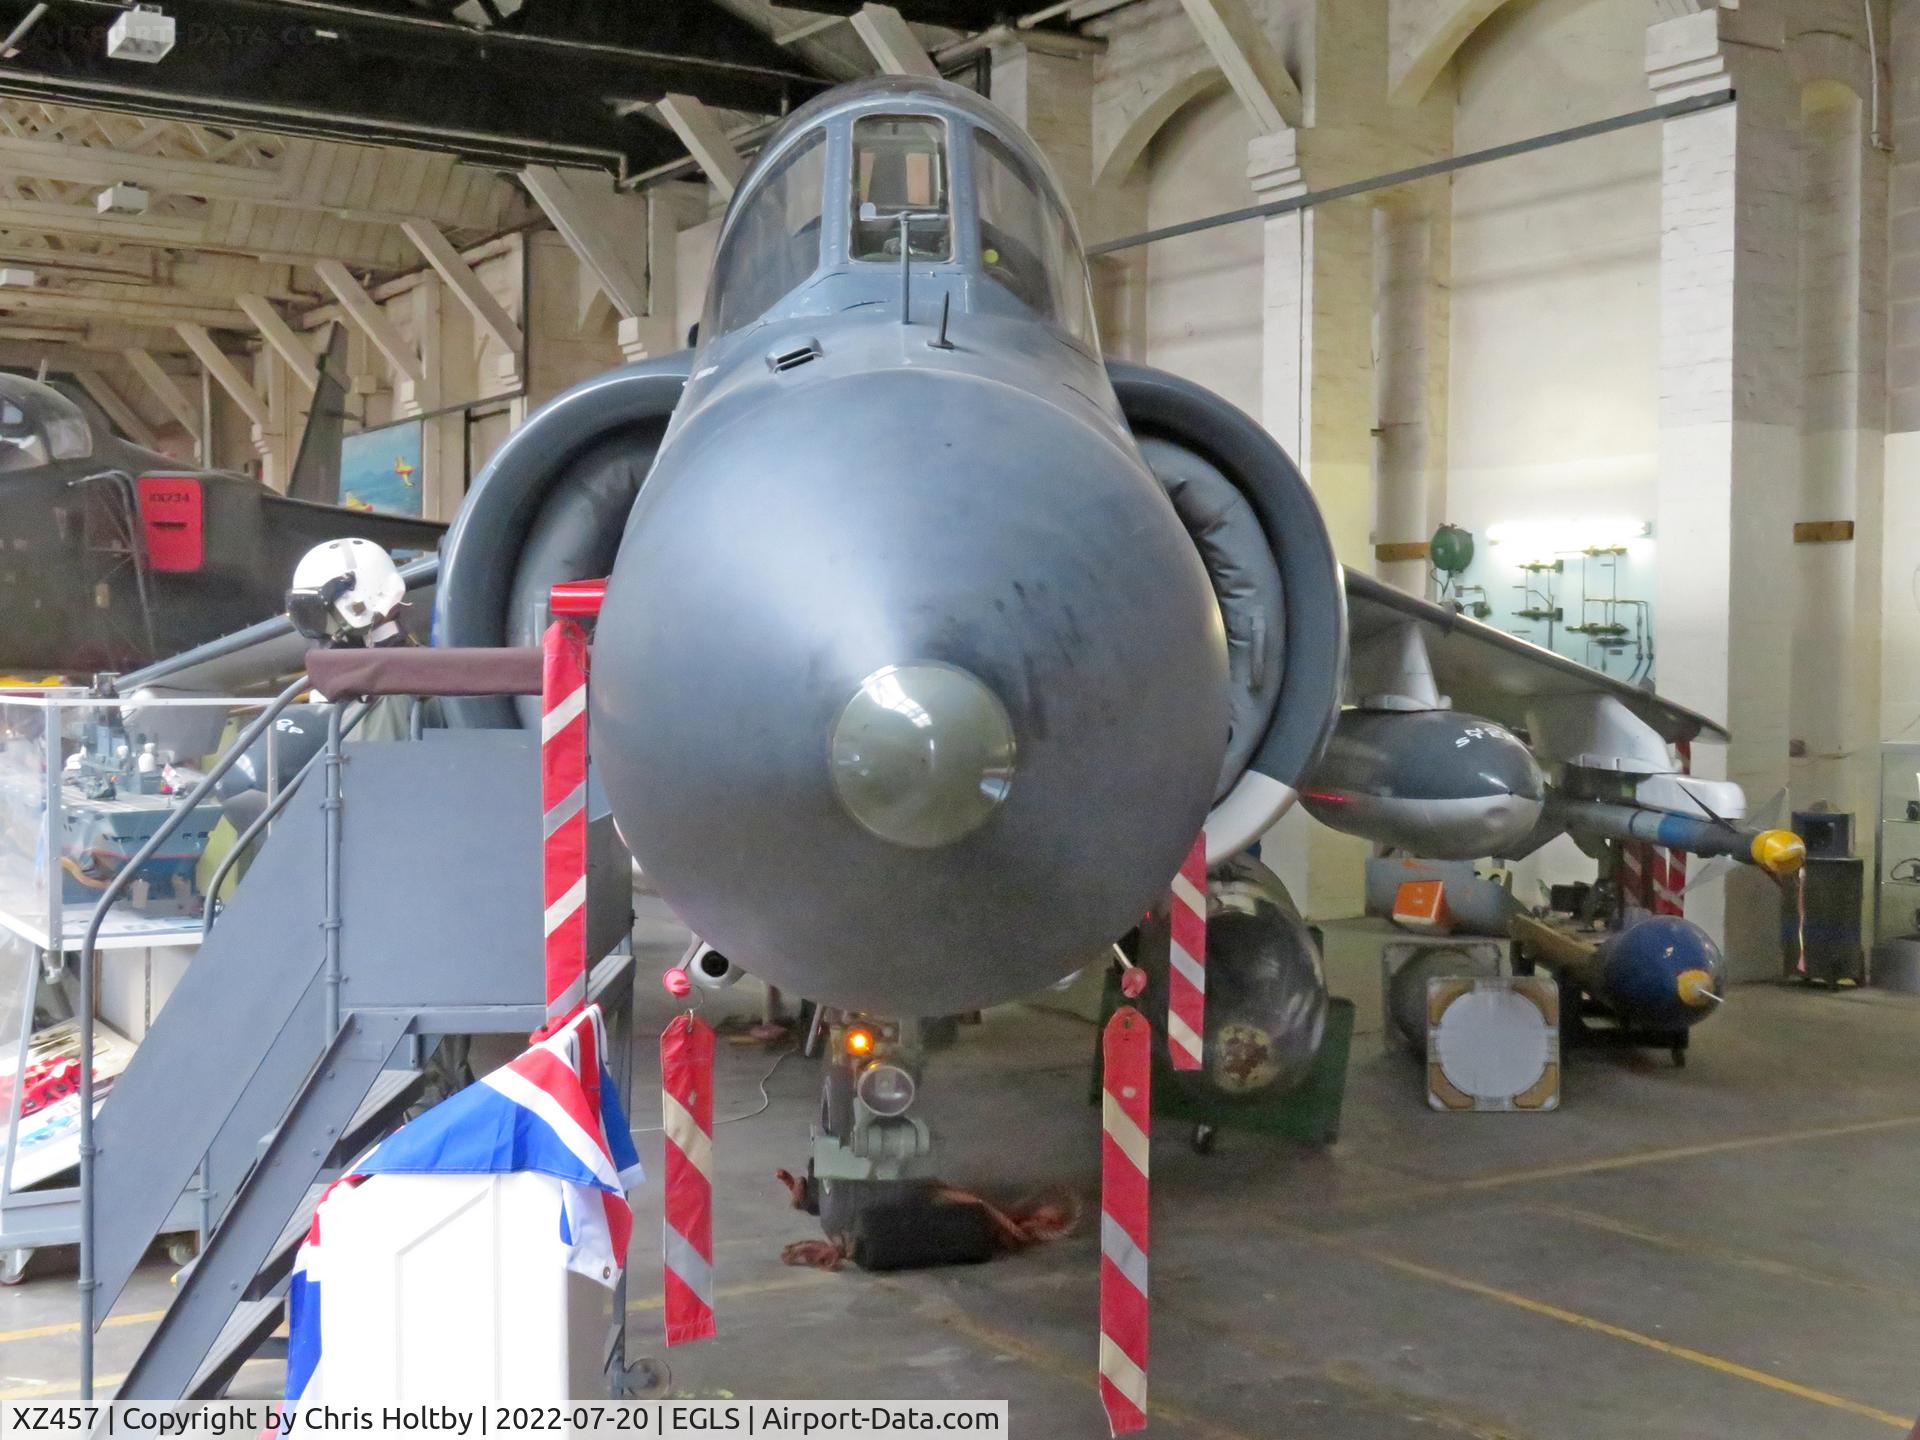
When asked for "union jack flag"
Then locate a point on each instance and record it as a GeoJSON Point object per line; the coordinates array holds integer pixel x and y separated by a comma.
{"type": "Point", "coordinates": [536, 1114]}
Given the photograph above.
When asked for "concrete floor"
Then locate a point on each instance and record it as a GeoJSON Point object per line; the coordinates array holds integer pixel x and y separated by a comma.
{"type": "Point", "coordinates": [1728, 1250]}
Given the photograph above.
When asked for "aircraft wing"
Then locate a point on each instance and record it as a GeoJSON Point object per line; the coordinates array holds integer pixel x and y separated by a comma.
{"type": "Point", "coordinates": [270, 650]}
{"type": "Point", "coordinates": [1489, 672]}
{"type": "Point", "coordinates": [316, 523]}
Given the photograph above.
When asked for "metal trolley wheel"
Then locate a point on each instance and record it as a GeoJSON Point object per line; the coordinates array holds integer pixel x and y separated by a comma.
{"type": "Point", "coordinates": [13, 1265]}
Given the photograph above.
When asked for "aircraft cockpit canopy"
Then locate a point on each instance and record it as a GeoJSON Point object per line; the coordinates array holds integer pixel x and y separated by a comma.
{"type": "Point", "coordinates": [39, 425]}
{"type": "Point", "coordinates": [927, 172]}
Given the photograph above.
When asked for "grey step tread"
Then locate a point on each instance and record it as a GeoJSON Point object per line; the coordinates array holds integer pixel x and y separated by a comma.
{"type": "Point", "coordinates": [252, 1321]}
{"type": "Point", "coordinates": [392, 1089]}
{"type": "Point", "coordinates": [280, 1259]}
{"type": "Point", "coordinates": [293, 1161]}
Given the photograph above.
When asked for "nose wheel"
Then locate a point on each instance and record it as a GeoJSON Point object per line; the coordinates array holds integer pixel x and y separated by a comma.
{"type": "Point", "coordinates": [868, 1151]}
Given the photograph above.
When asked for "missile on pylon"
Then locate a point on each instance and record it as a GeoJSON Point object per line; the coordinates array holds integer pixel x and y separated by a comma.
{"type": "Point", "coordinates": [1778, 852]}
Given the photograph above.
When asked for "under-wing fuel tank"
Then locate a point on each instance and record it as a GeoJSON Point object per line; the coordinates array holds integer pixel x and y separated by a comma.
{"type": "Point", "coordinates": [1436, 783]}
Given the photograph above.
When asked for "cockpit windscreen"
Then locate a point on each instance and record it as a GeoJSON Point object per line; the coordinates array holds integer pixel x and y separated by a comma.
{"type": "Point", "coordinates": [1026, 243]}
{"type": "Point", "coordinates": [39, 425]}
{"type": "Point", "coordinates": [900, 188]}
{"type": "Point", "coordinates": [774, 242]}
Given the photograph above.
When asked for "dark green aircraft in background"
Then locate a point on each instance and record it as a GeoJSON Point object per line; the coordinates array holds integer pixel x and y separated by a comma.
{"type": "Point", "coordinates": [112, 555]}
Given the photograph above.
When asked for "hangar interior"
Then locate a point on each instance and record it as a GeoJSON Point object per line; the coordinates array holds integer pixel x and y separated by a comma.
{"type": "Point", "coordinates": [1593, 322]}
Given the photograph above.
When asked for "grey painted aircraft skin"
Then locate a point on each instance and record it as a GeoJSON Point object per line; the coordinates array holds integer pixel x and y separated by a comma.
{"type": "Point", "coordinates": [937, 699]}
{"type": "Point", "coordinates": [1442, 785]}
{"type": "Point", "coordinates": [931, 639]}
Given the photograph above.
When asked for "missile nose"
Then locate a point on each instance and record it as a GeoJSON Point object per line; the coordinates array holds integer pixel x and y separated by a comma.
{"type": "Point", "coordinates": [1779, 852]}
{"type": "Point", "coordinates": [1695, 988]}
{"type": "Point", "coordinates": [922, 754]}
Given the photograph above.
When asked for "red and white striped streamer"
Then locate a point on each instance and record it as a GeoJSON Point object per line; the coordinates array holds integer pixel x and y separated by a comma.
{"type": "Point", "coordinates": [563, 806]}
{"type": "Point", "coordinates": [1125, 1123]}
{"type": "Point", "coordinates": [1669, 867]}
{"type": "Point", "coordinates": [1187, 975]}
{"type": "Point", "coordinates": [1633, 873]}
{"type": "Point", "coordinates": [1669, 871]}
{"type": "Point", "coordinates": [686, 1105]}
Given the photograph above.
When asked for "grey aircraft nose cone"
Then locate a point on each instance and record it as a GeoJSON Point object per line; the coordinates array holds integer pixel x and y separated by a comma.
{"type": "Point", "coordinates": [899, 719]}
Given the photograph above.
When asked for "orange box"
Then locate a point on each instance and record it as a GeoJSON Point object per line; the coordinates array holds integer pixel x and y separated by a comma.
{"type": "Point", "coordinates": [1421, 905]}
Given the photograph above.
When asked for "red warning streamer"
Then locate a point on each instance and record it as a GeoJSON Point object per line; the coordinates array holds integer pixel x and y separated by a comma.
{"type": "Point", "coordinates": [1125, 1123]}
{"type": "Point", "coordinates": [686, 1104]}
{"type": "Point", "coordinates": [1669, 871]}
{"type": "Point", "coordinates": [563, 805]}
{"type": "Point", "coordinates": [1187, 975]}
{"type": "Point", "coordinates": [1669, 867]}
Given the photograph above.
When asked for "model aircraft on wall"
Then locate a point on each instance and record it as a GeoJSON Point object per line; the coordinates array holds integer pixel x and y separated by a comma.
{"type": "Point", "coordinates": [116, 555]}
{"type": "Point", "coordinates": [932, 639]}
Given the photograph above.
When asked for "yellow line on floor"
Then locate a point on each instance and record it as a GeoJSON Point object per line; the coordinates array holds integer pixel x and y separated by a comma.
{"type": "Point", "coordinates": [798, 1280]}
{"type": "Point", "coordinates": [1354, 1377]}
{"type": "Point", "coordinates": [1689, 1245]}
{"type": "Point", "coordinates": [57, 1387]}
{"type": "Point", "coordinates": [1501, 1180]}
{"type": "Point", "coordinates": [1688, 1152]}
{"type": "Point", "coordinates": [1083, 1373]}
{"type": "Point", "coordinates": [1439, 1413]}
{"type": "Point", "coordinates": [1616, 1332]}
{"type": "Point", "coordinates": [72, 1327]}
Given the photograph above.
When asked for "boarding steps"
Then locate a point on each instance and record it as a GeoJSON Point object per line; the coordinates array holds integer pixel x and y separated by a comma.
{"type": "Point", "coordinates": [259, 1312]}
{"type": "Point", "coordinates": [439, 933]}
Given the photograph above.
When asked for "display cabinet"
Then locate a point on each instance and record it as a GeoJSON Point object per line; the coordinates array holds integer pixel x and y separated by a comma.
{"type": "Point", "coordinates": [1896, 868]}
{"type": "Point", "coordinates": [84, 783]}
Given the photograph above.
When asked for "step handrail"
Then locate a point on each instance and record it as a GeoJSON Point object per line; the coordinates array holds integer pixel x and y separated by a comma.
{"type": "Point", "coordinates": [266, 817]}
{"type": "Point", "coordinates": [115, 889]}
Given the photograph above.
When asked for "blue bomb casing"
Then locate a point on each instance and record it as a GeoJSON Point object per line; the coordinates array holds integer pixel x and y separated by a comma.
{"type": "Point", "coordinates": [1664, 973]}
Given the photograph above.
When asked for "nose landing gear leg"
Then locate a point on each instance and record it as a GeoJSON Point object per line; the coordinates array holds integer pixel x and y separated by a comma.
{"type": "Point", "coordinates": [868, 1177]}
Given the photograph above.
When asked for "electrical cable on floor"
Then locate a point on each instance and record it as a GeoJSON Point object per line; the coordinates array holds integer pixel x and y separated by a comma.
{"type": "Point", "coordinates": [766, 1100]}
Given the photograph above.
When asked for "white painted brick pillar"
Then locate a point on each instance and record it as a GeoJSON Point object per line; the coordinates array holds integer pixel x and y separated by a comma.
{"type": "Point", "coordinates": [1408, 474]}
{"type": "Point", "coordinates": [1323, 869]}
{"type": "Point", "coordinates": [1729, 418]}
{"type": "Point", "coordinates": [1049, 94]}
{"type": "Point", "coordinates": [1286, 299]}
{"type": "Point", "coordinates": [1900, 654]}
{"type": "Point", "coordinates": [1836, 650]}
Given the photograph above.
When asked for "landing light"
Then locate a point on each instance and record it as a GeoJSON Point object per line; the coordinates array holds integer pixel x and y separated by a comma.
{"type": "Point", "coordinates": [859, 1042]}
{"type": "Point", "coordinates": [887, 1090]}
